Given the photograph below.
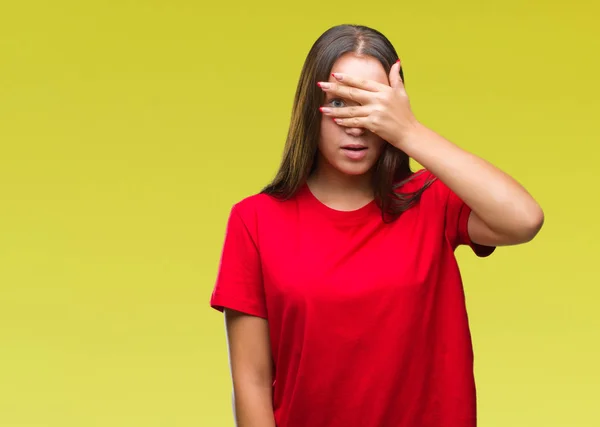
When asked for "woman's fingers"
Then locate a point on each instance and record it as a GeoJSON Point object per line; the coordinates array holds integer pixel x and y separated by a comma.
{"type": "Point", "coordinates": [345, 112]}
{"type": "Point", "coordinates": [352, 93]}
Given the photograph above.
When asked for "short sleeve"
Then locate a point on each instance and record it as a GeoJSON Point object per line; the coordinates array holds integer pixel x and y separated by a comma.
{"type": "Point", "coordinates": [457, 224]}
{"type": "Point", "coordinates": [239, 284]}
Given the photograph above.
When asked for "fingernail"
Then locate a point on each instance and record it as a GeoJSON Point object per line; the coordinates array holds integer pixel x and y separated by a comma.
{"type": "Point", "coordinates": [337, 76]}
{"type": "Point", "coordinates": [325, 110]}
{"type": "Point", "coordinates": [323, 85]}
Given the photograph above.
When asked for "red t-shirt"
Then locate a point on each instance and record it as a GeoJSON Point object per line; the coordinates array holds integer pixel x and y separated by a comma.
{"type": "Point", "coordinates": [368, 324]}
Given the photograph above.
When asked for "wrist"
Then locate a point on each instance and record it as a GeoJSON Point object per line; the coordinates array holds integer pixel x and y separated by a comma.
{"type": "Point", "coordinates": [409, 136]}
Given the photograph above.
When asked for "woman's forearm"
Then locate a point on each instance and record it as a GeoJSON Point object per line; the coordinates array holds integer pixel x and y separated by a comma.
{"type": "Point", "coordinates": [251, 369]}
{"type": "Point", "coordinates": [497, 199]}
{"type": "Point", "coordinates": [253, 405]}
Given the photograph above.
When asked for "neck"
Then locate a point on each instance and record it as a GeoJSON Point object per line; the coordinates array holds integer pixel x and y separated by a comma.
{"type": "Point", "coordinates": [341, 191]}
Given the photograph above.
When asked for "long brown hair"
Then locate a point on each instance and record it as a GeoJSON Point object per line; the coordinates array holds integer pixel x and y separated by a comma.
{"type": "Point", "coordinates": [300, 152]}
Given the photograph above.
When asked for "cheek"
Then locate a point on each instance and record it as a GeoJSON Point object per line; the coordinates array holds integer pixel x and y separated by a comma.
{"type": "Point", "coordinates": [329, 133]}
{"type": "Point", "coordinates": [378, 145]}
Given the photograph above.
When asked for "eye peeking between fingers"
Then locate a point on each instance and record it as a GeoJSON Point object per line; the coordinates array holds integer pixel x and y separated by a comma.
{"type": "Point", "coordinates": [337, 103]}
{"type": "Point", "coordinates": [332, 105]}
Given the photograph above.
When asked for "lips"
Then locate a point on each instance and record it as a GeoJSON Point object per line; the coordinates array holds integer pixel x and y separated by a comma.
{"type": "Point", "coordinates": [355, 152]}
{"type": "Point", "coordinates": [354, 147]}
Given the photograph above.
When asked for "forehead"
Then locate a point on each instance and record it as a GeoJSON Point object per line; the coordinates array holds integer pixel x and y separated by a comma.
{"type": "Point", "coordinates": [363, 67]}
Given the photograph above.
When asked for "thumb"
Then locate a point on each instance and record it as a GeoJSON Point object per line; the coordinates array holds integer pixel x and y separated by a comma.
{"type": "Point", "coordinates": [395, 79]}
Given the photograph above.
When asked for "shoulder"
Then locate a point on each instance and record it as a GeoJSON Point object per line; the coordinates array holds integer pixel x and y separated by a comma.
{"type": "Point", "coordinates": [256, 206]}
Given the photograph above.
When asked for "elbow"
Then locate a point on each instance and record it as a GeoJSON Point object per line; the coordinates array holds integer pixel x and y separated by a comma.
{"type": "Point", "coordinates": [531, 224]}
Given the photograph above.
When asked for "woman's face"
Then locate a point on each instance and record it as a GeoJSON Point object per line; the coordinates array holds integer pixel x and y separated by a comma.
{"type": "Point", "coordinates": [350, 151]}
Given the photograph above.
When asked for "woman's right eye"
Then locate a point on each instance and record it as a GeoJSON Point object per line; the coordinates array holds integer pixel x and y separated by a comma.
{"type": "Point", "coordinates": [339, 101]}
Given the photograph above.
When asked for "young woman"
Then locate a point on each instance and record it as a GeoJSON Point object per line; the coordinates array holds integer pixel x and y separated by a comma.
{"type": "Point", "coordinates": [343, 300]}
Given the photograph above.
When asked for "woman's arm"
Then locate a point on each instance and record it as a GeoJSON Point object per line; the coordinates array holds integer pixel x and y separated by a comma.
{"type": "Point", "coordinates": [503, 212]}
{"type": "Point", "coordinates": [251, 369]}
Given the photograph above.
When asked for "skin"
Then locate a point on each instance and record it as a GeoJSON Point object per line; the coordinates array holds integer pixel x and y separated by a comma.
{"type": "Point", "coordinates": [375, 108]}
{"type": "Point", "coordinates": [340, 182]}
{"type": "Point", "coordinates": [503, 212]}
{"type": "Point", "coordinates": [251, 369]}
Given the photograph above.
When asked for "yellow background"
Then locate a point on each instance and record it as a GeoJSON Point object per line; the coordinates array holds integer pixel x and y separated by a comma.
{"type": "Point", "coordinates": [129, 128]}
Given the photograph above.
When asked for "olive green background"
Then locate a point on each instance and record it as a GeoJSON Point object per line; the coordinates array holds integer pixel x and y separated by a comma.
{"type": "Point", "coordinates": [129, 128]}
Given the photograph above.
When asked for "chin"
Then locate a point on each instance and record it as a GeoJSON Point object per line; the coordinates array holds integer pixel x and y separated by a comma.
{"type": "Point", "coordinates": [355, 170]}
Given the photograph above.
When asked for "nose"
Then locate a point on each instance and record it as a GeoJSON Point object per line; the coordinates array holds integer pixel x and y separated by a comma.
{"type": "Point", "coordinates": [355, 131]}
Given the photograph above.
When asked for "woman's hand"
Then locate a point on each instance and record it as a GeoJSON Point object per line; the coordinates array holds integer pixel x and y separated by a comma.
{"type": "Point", "coordinates": [384, 110]}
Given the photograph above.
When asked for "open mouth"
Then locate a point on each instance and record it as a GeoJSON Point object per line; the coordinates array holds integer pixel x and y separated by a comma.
{"type": "Point", "coordinates": [355, 152]}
